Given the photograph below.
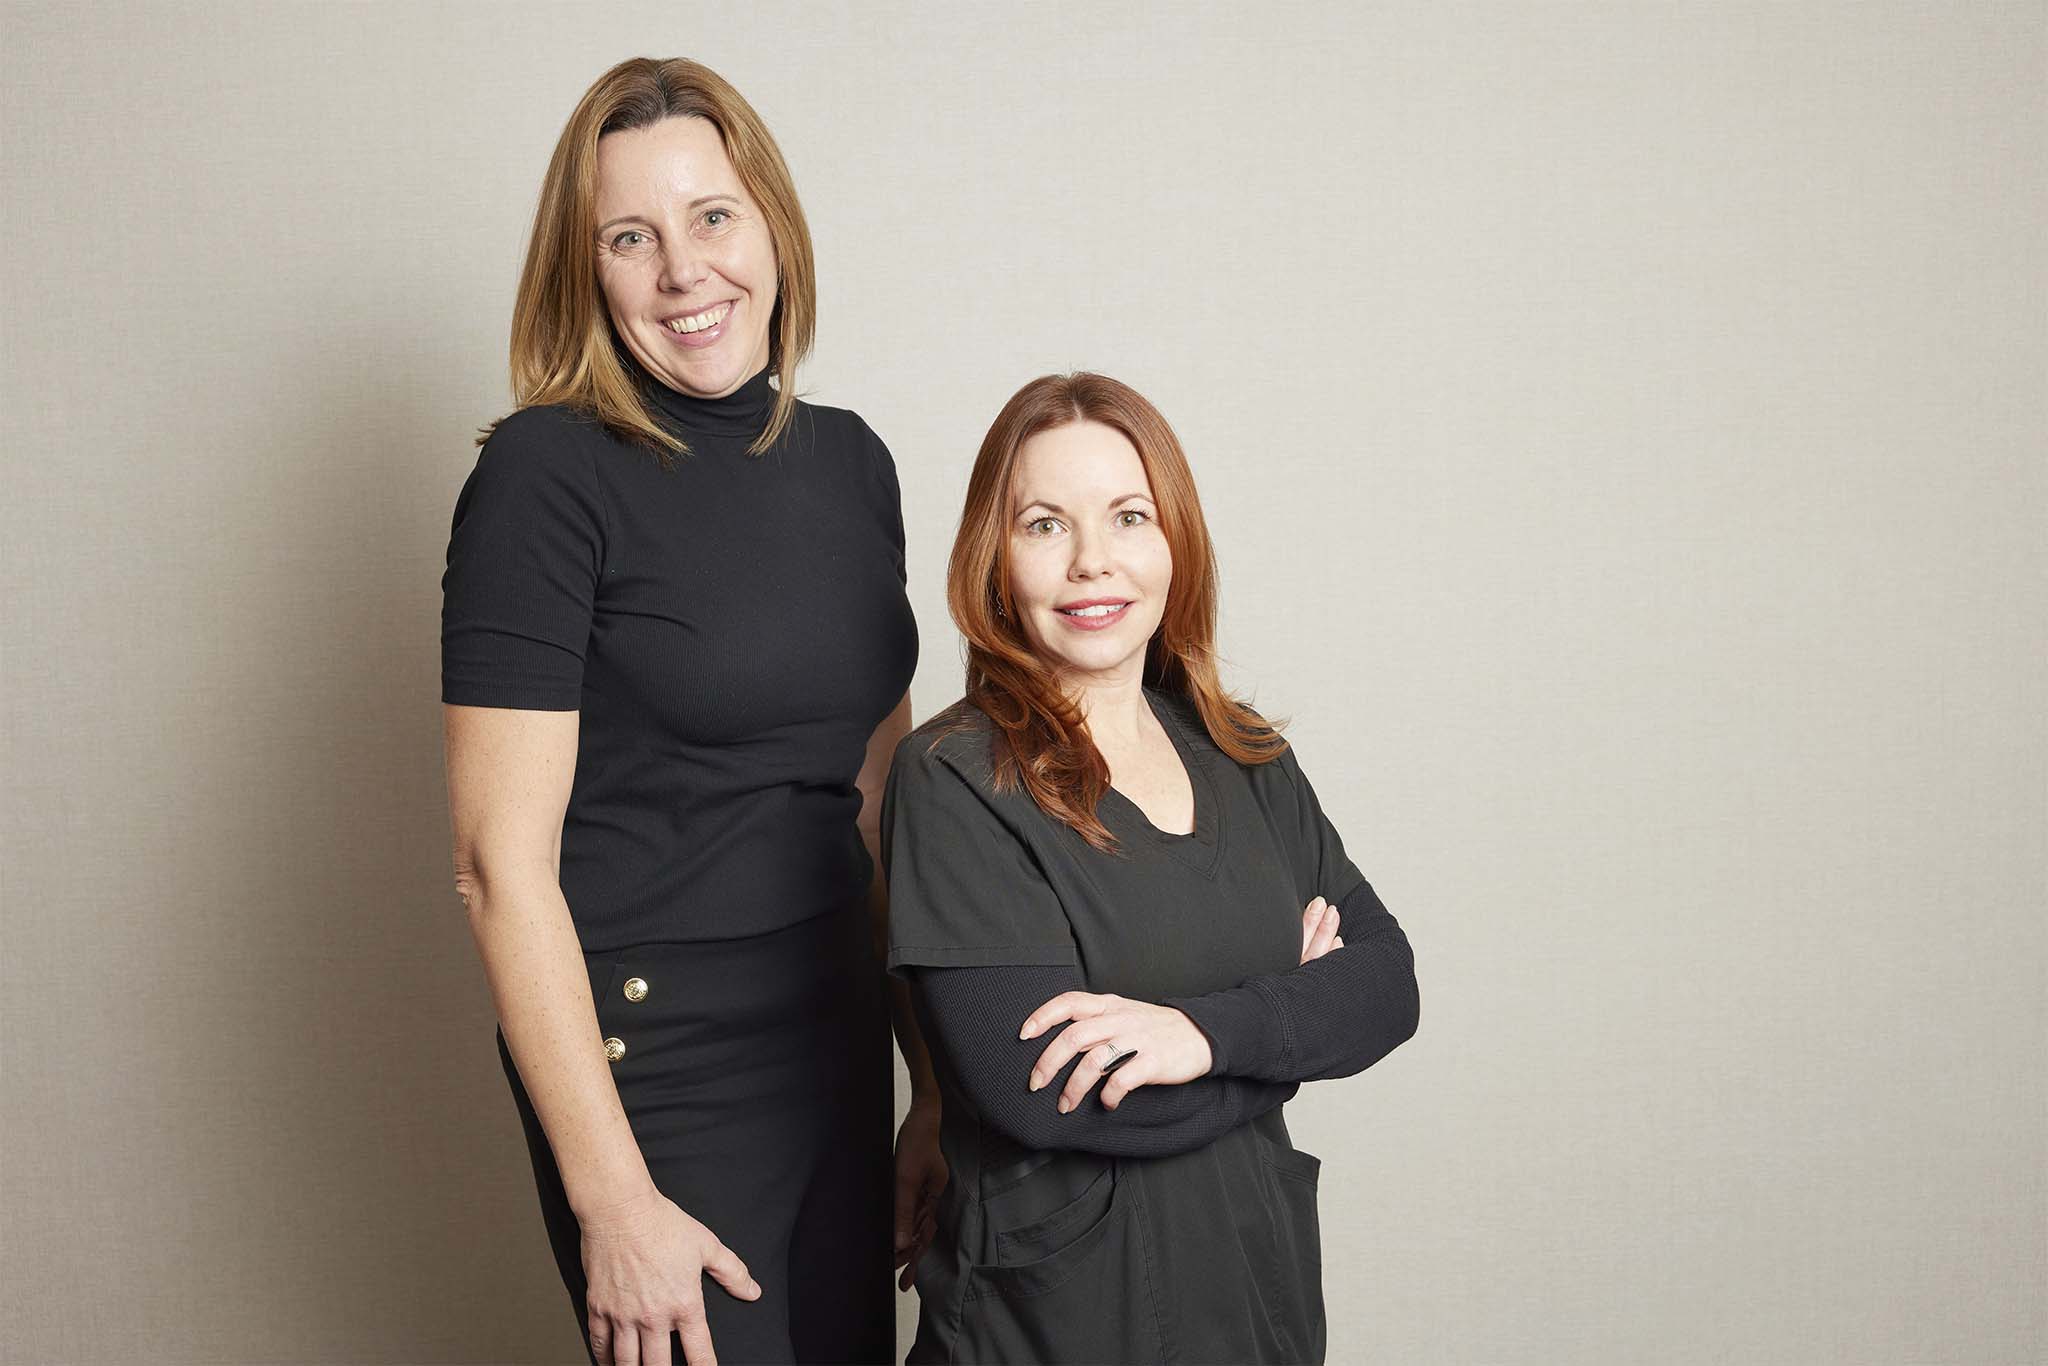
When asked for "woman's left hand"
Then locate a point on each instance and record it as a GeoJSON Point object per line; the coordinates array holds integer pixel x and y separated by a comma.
{"type": "Point", "coordinates": [1170, 1049]}
{"type": "Point", "coordinates": [921, 1173]}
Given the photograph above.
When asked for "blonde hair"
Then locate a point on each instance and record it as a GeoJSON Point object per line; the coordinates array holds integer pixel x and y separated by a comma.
{"type": "Point", "coordinates": [563, 346]}
{"type": "Point", "coordinates": [1042, 739]}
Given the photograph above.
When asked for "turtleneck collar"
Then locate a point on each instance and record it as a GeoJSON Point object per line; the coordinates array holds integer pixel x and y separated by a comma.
{"type": "Point", "coordinates": [742, 413]}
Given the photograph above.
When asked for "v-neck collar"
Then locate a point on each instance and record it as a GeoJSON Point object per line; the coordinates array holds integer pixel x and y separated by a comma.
{"type": "Point", "coordinates": [1202, 847]}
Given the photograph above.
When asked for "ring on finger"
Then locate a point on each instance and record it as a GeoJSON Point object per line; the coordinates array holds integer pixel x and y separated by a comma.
{"type": "Point", "coordinates": [1113, 1057]}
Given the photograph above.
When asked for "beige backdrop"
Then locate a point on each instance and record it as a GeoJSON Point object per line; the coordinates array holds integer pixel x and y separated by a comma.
{"type": "Point", "coordinates": [1623, 428]}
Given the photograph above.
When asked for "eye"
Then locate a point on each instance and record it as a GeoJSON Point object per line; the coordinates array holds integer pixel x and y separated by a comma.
{"type": "Point", "coordinates": [716, 218]}
{"type": "Point", "coordinates": [1133, 517]}
{"type": "Point", "coordinates": [627, 240]}
{"type": "Point", "coordinates": [1041, 526]}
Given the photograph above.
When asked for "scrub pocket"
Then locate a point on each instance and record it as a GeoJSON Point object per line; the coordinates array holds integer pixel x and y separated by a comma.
{"type": "Point", "coordinates": [1073, 1286]}
{"type": "Point", "coordinates": [1294, 1294]}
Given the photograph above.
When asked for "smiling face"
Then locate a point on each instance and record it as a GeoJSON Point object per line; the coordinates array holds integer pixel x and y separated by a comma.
{"type": "Point", "coordinates": [685, 260]}
{"type": "Point", "coordinates": [1089, 567]}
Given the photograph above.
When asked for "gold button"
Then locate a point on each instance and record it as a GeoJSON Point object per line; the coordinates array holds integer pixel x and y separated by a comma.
{"type": "Point", "coordinates": [636, 988]}
{"type": "Point", "coordinates": [614, 1049]}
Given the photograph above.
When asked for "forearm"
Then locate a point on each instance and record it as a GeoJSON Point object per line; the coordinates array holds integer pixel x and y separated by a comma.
{"type": "Point", "coordinates": [975, 1014]}
{"type": "Point", "coordinates": [917, 1059]}
{"type": "Point", "coordinates": [1333, 1017]}
{"type": "Point", "coordinates": [541, 990]}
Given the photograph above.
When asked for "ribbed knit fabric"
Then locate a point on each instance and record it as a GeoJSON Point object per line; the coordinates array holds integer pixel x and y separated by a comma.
{"type": "Point", "coordinates": [974, 1014]}
{"type": "Point", "coordinates": [1331, 1018]}
{"type": "Point", "coordinates": [731, 628]}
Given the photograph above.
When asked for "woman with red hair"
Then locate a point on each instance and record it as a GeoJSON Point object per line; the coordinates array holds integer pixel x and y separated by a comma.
{"type": "Point", "coordinates": [1097, 864]}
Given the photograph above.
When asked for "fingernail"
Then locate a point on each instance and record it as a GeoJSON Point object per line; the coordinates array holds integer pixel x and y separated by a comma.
{"type": "Point", "coordinates": [1036, 1083]}
{"type": "Point", "coordinates": [1063, 1104]}
{"type": "Point", "coordinates": [1025, 1032]}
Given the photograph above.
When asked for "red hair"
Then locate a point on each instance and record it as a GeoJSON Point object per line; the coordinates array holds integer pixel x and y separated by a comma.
{"type": "Point", "coordinates": [1042, 741]}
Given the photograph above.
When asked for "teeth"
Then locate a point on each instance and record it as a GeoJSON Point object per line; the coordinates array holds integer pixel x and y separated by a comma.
{"type": "Point", "coordinates": [1098, 611]}
{"type": "Point", "coordinates": [708, 318]}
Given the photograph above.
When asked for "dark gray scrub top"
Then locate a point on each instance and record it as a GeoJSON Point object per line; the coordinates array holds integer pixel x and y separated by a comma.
{"type": "Point", "coordinates": [1205, 1256]}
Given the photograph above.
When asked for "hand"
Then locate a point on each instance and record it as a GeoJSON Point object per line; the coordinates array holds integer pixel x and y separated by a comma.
{"type": "Point", "coordinates": [920, 1175]}
{"type": "Point", "coordinates": [1319, 930]}
{"type": "Point", "coordinates": [1170, 1049]}
{"type": "Point", "coordinates": [646, 1261]}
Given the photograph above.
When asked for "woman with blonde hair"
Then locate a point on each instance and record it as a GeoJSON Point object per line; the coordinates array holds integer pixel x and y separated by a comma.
{"type": "Point", "coordinates": [675, 655]}
{"type": "Point", "coordinates": [1098, 863]}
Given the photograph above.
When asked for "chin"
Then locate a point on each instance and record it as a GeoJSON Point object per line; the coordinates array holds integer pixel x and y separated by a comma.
{"type": "Point", "coordinates": [1094, 665]}
{"type": "Point", "coordinates": [700, 382]}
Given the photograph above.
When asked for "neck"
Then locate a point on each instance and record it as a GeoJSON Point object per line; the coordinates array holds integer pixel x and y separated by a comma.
{"type": "Point", "coordinates": [1114, 707]}
{"type": "Point", "coordinates": [741, 413]}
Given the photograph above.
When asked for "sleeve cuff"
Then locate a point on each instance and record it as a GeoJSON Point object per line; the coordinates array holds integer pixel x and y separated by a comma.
{"type": "Point", "coordinates": [1242, 1028]}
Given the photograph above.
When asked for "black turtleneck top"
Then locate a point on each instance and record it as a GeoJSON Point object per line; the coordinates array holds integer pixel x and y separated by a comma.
{"type": "Point", "coordinates": [732, 628]}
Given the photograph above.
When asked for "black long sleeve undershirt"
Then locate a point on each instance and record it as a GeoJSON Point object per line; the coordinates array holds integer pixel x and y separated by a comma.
{"type": "Point", "coordinates": [976, 1012]}
{"type": "Point", "coordinates": [1331, 1018]}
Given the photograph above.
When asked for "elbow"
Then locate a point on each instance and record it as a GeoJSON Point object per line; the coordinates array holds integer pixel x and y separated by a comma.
{"type": "Point", "coordinates": [1407, 1014]}
{"type": "Point", "coordinates": [1031, 1118]}
{"type": "Point", "coordinates": [467, 884]}
{"type": "Point", "coordinates": [1388, 1016]}
{"type": "Point", "coordinates": [485, 877]}
{"type": "Point", "coordinates": [1033, 1125]}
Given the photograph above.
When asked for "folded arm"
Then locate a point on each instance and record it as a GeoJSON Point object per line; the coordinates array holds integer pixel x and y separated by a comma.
{"type": "Point", "coordinates": [1333, 1017]}
{"type": "Point", "coordinates": [974, 1015]}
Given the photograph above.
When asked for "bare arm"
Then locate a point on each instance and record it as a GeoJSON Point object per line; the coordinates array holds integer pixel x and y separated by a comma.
{"type": "Point", "coordinates": [508, 787]}
{"type": "Point", "coordinates": [874, 776]}
{"type": "Point", "coordinates": [920, 1166]}
{"type": "Point", "coordinates": [509, 774]}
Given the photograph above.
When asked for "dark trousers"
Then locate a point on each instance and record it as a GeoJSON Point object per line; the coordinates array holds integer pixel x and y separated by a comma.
{"type": "Point", "coordinates": [756, 1077]}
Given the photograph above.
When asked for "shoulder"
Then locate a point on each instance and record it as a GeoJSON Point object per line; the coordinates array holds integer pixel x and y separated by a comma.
{"type": "Point", "coordinates": [545, 429]}
{"type": "Point", "coordinates": [830, 422]}
{"type": "Point", "coordinates": [538, 463]}
{"type": "Point", "coordinates": [1281, 788]}
{"type": "Point", "coordinates": [546, 444]}
{"type": "Point", "coordinates": [842, 429]}
{"type": "Point", "coordinates": [1181, 712]}
{"type": "Point", "coordinates": [950, 761]}
{"type": "Point", "coordinates": [954, 746]}
{"type": "Point", "coordinates": [1278, 778]}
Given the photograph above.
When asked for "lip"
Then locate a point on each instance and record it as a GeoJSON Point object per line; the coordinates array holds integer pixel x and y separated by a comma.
{"type": "Point", "coordinates": [710, 336]}
{"type": "Point", "coordinates": [1101, 623]}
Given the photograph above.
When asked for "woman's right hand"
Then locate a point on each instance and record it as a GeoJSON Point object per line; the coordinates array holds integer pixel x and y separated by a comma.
{"type": "Point", "coordinates": [646, 1261]}
{"type": "Point", "coordinates": [1319, 930]}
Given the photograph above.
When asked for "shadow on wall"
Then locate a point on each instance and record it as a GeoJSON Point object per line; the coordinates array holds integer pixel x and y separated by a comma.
{"type": "Point", "coordinates": [387, 1137]}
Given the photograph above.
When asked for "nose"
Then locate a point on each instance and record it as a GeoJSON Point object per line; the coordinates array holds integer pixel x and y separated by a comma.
{"type": "Point", "coordinates": [683, 267]}
{"type": "Point", "coordinates": [1091, 559]}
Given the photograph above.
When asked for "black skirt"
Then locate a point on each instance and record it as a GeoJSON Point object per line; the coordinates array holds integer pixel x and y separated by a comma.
{"type": "Point", "coordinates": [756, 1074]}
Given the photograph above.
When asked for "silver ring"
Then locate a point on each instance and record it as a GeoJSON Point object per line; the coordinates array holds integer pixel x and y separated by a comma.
{"type": "Point", "coordinates": [1117, 1057]}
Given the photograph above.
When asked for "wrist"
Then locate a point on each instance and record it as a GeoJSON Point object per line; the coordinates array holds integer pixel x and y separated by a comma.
{"type": "Point", "coordinates": [600, 1200]}
{"type": "Point", "coordinates": [1201, 1054]}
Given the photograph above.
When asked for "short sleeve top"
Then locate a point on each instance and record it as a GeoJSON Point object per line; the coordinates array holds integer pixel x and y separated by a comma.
{"type": "Point", "coordinates": [731, 627]}
{"type": "Point", "coordinates": [979, 876]}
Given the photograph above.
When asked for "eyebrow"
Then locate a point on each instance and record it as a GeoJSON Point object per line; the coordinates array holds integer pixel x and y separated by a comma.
{"type": "Point", "coordinates": [699, 202]}
{"type": "Point", "coordinates": [1117, 501]}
